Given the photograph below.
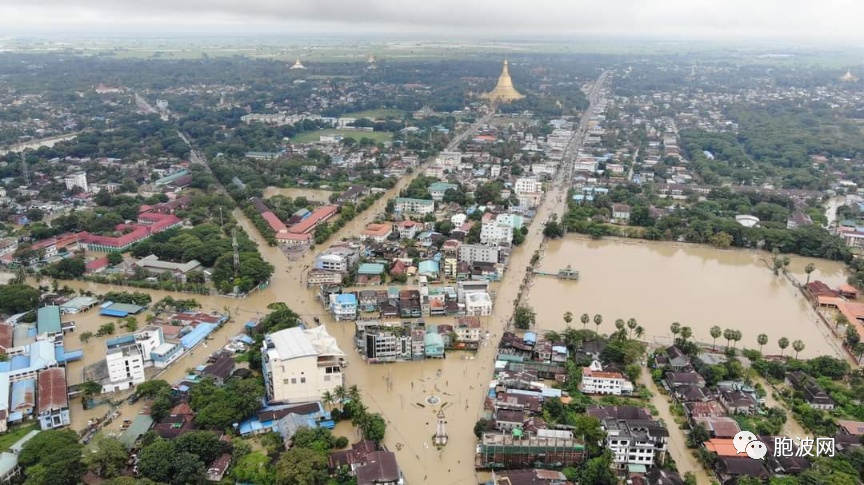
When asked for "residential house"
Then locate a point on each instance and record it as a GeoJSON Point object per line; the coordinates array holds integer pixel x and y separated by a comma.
{"type": "Point", "coordinates": [409, 229]}
{"type": "Point", "coordinates": [377, 232]}
{"type": "Point", "coordinates": [674, 358]}
{"type": "Point", "coordinates": [473, 253]}
{"type": "Point", "coordinates": [597, 381]}
{"type": "Point", "coordinates": [343, 306]}
{"type": "Point", "coordinates": [413, 206]}
{"type": "Point", "coordinates": [52, 399]}
{"type": "Point", "coordinates": [354, 194]}
{"type": "Point", "coordinates": [738, 402]}
{"type": "Point", "coordinates": [621, 213]}
{"type": "Point", "coordinates": [633, 441]}
{"type": "Point", "coordinates": [675, 379]}
{"type": "Point", "coordinates": [300, 365]}
{"type": "Point", "coordinates": [506, 420]}
{"type": "Point", "coordinates": [438, 189]}
{"type": "Point", "coordinates": [814, 395]}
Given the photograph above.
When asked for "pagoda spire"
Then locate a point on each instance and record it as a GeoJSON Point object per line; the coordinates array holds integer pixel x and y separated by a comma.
{"type": "Point", "coordinates": [504, 91]}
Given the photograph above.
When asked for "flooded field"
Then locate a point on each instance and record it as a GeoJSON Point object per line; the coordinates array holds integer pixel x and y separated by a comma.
{"type": "Point", "coordinates": [314, 195]}
{"type": "Point", "coordinates": [698, 286]}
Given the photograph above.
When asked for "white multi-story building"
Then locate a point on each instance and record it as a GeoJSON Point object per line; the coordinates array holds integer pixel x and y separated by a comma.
{"type": "Point", "coordinates": [343, 306]}
{"type": "Point", "coordinates": [126, 357]}
{"type": "Point", "coordinates": [76, 180]}
{"type": "Point", "coordinates": [478, 304]}
{"type": "Point", "coordinates": [498, 229]}
{"type": "Point", "coordinates": [474, 253]}
{"type": "Point", "coordinates": [337, 258]}
{"type": "Point", "coordinates": [597, 381]}
{"type": "Point", "coordinates": [635, 442]}
{"type": "Point", "coordinates": [301, 365]}
{"type": "Point", "coordinates": [414, 206]}
{"type": "Point", "coordinates": [527, 185]}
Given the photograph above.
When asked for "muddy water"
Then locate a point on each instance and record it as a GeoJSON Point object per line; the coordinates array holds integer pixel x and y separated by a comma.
{"type": "Point", "coordinates": [698, 286]}
{"type": "Point", "coordinates": [314, 195]}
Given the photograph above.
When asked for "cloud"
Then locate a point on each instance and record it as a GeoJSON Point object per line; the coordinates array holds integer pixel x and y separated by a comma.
{"type": "Point", "coordinates": [675, 18]}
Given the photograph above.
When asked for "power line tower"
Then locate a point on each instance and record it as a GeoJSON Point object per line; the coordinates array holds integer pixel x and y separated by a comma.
{"type": "Point", "coordinates": [25, 172]}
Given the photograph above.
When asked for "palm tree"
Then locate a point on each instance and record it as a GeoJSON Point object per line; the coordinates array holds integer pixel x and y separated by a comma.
{"type": "Point", "coordinates": [598, 319]}
{"type": "Point", "coordinates": [675, 328]}
{"type": "Point", "coordinates": [715, 334]}
{"type": "Point", "coordinates": [809, 269]}
{"type": "Point", "coordinates": [585, 318]}
{"type": "Point", "coordinates": [736, 337]}
{"type": "Point", "coordinates": [728, 334]}
{"type": "Point", "coordinates": [354, 393]}
{"type": "Point", "coordinates": [619, 324]}
{"type": "Point", "coordinates": [783, 343]}
{"type": "Point", "coordinates": [340, 394]}
{"type": "Point", "coordinates": [632, 324]}
{"type": "Point", "coordinates": [568, 317]}
{"type": "Point", "coordinates": [640, 331]}
{"type": "Point", "coordinates": [328, 399]}
{"type": "Point", "coordinates": [686, 333]}
{"type": "Point", "coordinates": [798, 346]}
{"type": "Point", "coordinates": [762, 339]}
{"type": "Point", "coordinates": [858, 350]}
{"type": "Point", "coordinates": [572, 339]}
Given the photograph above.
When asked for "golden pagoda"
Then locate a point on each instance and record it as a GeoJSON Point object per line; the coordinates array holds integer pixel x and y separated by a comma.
{"type": "Point", "coordinates": [298, 65]}
{"type": "Point", "coordinates": [504, 91]}
{"type": "Point", "coordinates": [848, 77]}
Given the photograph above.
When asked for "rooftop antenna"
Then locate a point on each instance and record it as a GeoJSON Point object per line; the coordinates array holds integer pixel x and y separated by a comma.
{"type": "Point", "coordinates": [24, 171]}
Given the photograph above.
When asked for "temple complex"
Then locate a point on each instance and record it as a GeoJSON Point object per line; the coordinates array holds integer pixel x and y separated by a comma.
{"type": "Point", "coordinates": [298, 65]}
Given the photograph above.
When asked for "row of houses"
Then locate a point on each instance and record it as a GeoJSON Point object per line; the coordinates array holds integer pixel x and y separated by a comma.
{"type": "Point", "coordinates": [381, 341]}
{"type": "Point", "coordinates": [467, 298]}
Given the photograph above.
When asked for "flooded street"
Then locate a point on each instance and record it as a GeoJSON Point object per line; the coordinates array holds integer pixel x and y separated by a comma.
{"type": "Point", "coordinates": [698, 286]}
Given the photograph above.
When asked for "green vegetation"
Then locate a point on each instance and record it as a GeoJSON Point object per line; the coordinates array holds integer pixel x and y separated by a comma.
{"type": "Point", "coordinates": [52, 457]}
{"type": "Point", "coordinates": [221, 406]}
{"type": "Point", "coordinates": [14, 434]}
{"type": "Point", "coordinates": [17, 298]}
{"type": "Point", "coordinates": [357, 136]}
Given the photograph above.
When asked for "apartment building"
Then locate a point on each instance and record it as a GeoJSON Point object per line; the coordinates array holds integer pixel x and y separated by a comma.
{"type": "Point", "coordinates": [300, 365]}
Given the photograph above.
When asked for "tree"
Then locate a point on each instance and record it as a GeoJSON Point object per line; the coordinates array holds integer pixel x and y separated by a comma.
{"type": "Point", "coordinates": [89, 389]}
{"type": "Point", "coordinates": [52, 457]}
{"type": "Point", "coordinates": [729, 335]}
{"type": "Point", "coordinates": [858, 351]}
{"type": "Point", "coordinates": [524, 317]}
{"type": "Point", "coordinates": [761, 339]}
{"type": "Point", "coordinates": [300, 466]}
{"type": "Point", "coordinates": [798, 346]}
{"type": "Point", "coordinates": [598, 320]}
{"type": "Point", "coordinates": [585, 318]}
{"type": "Point", "coordinates": [715, 334]}
{"type": "Point", "coordinates": [18, 298]}
{"type": "Point", "coordinates": [253, 468]}
{"type": "Point", "coordinates": [480, 427]}
{"type": "Point", "coordinates": [720, 240]}
{"type": "Point", "coordinates": [328, 399]}
{"type": "Point", "coordinates": [639, 332]}
{"type": "Point", "coordinates": [149, 389]}
{"type": "Point", "coordinates": [85, 336]}
{"type": "Point", "coordinates": [553, 230]}
{"type": "Point", "coordinates": [736, 337]}
{"type": "Point", "coordinates": [374, 427]}
{"type": "Point", "coordinates": [783, 343]}
{"type": "Point", "coordinates": [106, 329]}
{"type": "Point", "coordinates": [107, 458]}
{"type": "Point", "coordinates": [204, 444]}
{"type": "Point", "coordinates": [220, 407]}
{"type": "Point", "coordinates": [568, 317]}
{"type": "Point", "coordinates": [675, 328]}
{"type": "Point", "coordinates": [115, 258]}
{"type": "Point", "coordinates": [160, 461]}
{"type": "Point", "coordinates": [698, 435]}
{"type": "Point", "coordinates": [852, 336]}
{"type": "Point", "coordinates": [686, 333]}
{"type": "Point", "coordinates": [809, 269]}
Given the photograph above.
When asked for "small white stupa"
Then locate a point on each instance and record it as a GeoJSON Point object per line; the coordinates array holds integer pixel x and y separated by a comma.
{"type": "Point", "coordinates": [298, 65]}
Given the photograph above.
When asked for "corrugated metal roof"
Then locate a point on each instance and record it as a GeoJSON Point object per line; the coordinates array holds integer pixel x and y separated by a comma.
{"type": "Point", "coordinates": [199, 333]}
{"type": "Point", "coordinates": [48, 319]}
{"type": "Point", "coordinates": [52, 390]}
{"type": "Point", "coordinates": [23, 395]}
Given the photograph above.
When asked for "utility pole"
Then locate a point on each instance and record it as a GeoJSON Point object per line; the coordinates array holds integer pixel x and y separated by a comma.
{"type": "Point", "coordinates": [25, 173]}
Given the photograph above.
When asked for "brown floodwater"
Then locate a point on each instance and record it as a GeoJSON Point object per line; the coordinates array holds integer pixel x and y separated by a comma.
{"type": "Point", "coordinates": [314, 195]}
{"type": "Point", "coordinates": [698, 286]}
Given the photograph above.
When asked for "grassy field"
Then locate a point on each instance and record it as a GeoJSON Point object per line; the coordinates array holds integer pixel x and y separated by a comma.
{"type": "Point", "coordinates": [375, 114]}
{"type": "Point", "coordinates": [312, 136]}
{"type": "Point", "coordinates": [15, 434]}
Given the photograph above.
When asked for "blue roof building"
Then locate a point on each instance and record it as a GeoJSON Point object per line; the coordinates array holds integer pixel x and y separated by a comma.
{"type": "Point", "coordinates": [370, 269]}
{"type": "Point", "coordinates": [433, 345]}
{"type": "Point", "coordinates": [428, 268]}
{"type": "Point", "coordinates": [198, 334]}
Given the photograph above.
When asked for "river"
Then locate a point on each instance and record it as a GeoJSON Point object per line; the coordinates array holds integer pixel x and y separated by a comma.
{"type": "Point", "coordinates": [698, 286]}
{"type": "Point", "coordinates": [34, 144]}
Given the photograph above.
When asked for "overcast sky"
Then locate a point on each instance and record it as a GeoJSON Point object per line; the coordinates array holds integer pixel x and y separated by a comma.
{"type": "Point", "coordinates": [730, 19]}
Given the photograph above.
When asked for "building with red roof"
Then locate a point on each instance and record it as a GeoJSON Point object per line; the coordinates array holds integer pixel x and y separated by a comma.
{"type": "Point", "coordinates": [52, 398]}
{"type": "Point", "coordinates": [275, 223]}
{"type": "Point", "coordinates": [317, 216]}
{"type": "Point", "coordinates": [149, 223]}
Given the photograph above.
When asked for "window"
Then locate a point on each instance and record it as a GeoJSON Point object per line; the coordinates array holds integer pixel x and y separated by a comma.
{"type": "Point", "coordinates": [326, 378]}
{"type": "Point", "coordinates": [302, 380]}
{"type": "Point", "coordinates": [293, 380]}
{"type": "Point", "coordinates": [285, 381]}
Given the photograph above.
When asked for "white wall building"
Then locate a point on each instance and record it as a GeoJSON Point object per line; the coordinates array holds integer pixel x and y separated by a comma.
{"type": "Point", "coordinates": [300, 365]}
{"type": "Point", "coordinates": [499, 229]}
{"type": "Point", "coordinates": [597, 381]}
{"type": "Point", "coordinates": [478, 304]}
{"type": "Point", "coordinates": [527, 185]}
{"type": "Point", "coordinates": [76, 180]}
{"type": "Point", "coordinates": [472, 253]}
